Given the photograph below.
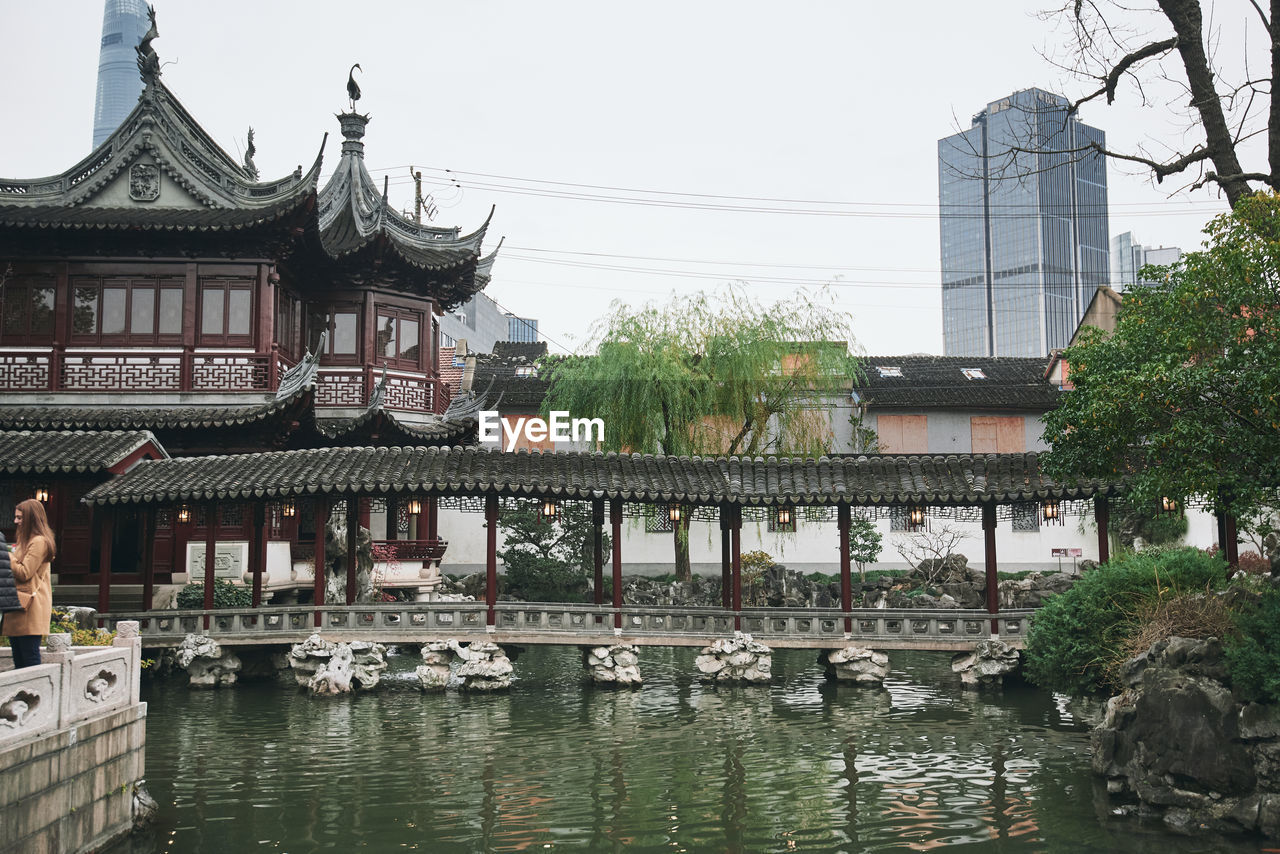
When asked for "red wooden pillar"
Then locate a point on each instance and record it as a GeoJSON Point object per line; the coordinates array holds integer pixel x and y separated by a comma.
{"type": "Point", "coordinates": [843, 518]}
{"type": "Point", "coordinates": [107, 533]}
{"type": "Point", "coordinates": [726, 561]}
{"type": "Point", "coordinates": [353, 541]}
{"type": "Point", "coordinates": [993, 583]}
{"type": "Point", "coordinates": [258, 549]}
{"type": "Point", "coordinates": [366, 513]}
{"type": "Point", "coordinates": [491, 558]}
{"type": "Point", "coordinates": [735, 549]}
{"type": "Point", "coordinates": [615, 520]}
{"type": "Point", "coordinates": [1102, 516]}
{"type": "Point", "coordinates": [433, 518]}
{"type": "Point", "coordinates": [597, 521]}
{"type": "Point", "coordinates": [322, 521]}
{"type": "Point", "coordinates": [148, 557]}
{"type": "Point", "coordinates": [210, 553]}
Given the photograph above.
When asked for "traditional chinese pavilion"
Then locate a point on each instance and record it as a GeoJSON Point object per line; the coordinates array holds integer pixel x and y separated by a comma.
{"type": "Point", "coordinates": [161, 290]}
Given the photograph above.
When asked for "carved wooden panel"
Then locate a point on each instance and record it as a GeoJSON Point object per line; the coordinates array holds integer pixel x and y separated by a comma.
{"type": "Point", "coordinates": [21, 372]}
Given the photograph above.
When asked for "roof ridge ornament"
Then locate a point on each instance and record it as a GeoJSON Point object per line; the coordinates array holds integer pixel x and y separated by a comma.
{"type": "Point", "coordinates": [249, 151]}
{"type": "Point", "coordinates": [148, 61]}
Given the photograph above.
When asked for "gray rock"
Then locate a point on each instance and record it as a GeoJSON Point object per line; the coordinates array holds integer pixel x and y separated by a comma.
{"type": "Point", "coordinates": [856, 664]}
{"type": "Point", "coordinates": [987, 665]}
{"type": "Point", "coordinates": [207, 665]}
{"type": "Point", "coordinates": [613, 665]}
{"type": "Point", "coordinates": [736, 659]}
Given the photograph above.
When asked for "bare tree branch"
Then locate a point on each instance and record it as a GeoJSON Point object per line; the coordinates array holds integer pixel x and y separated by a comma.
{"type": "Point", "coordinates": [1112, 80]}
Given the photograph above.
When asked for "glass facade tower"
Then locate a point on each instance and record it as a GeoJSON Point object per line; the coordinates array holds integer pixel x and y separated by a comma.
{"type": "Point", "coordinates": [124, 22]}
{"type": "Point", "coordinates": [1023, 225]}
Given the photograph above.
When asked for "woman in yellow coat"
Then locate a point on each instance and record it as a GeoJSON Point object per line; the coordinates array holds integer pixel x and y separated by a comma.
{"type": "Point", "coordinates": [33, 549]}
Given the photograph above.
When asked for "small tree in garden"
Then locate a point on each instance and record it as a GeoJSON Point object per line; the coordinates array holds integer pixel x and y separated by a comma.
{"type": "Point", "coordinates": [864, 544]}
{"type": "Point", "coordinates": [549, 561]}
{"type": "Point", "coordinates": [926, 550]}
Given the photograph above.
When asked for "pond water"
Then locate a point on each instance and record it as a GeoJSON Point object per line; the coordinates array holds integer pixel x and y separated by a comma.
{"type": "Point", "coordinates": [799, 765]}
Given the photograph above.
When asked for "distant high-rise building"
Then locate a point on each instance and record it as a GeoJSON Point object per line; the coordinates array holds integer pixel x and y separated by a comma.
{"type": "Point", "coordinates": [522, 330]}
{"type": "Point", "coordinates": [1023, 227]}
{"type": "Point", "coordinates": [124, 22]}
{"type": "Point", "coordinates": [1128, 259]}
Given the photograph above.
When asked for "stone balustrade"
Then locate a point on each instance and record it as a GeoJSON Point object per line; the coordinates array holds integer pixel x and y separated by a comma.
{"type": "Point", "coordinates": [72, 743]}
{"type": "Point", "coordinates": [553, 623]}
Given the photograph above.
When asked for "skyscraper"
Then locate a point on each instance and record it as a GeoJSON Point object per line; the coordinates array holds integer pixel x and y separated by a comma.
{"type": "Point", "coordinates": [1128, 259]}
{"type": "Point", "coordinates": [1023, 208]}
{"type": "Point", "coordinates": [124, 22]}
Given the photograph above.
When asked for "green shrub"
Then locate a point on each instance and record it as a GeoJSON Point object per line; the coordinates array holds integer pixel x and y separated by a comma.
{"type": "Point", "coordinates": [60, 623]}
{"type": "Point", "coordinates": [1253, 654]}
{"type": "Point", "coordinates": [225, 595]}
{"type": "Point", "coordinates": [1076, 637]}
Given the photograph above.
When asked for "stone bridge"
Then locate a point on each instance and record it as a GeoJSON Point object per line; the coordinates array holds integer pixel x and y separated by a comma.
{"type": "Point", "coordinates": [584, 625]}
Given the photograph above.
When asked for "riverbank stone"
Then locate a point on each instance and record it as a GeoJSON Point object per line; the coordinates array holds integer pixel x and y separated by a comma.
{"type": "Point", "coordinates": [1188, 750]}
{"type": "Point", "coordinates": [987, 665]}
{"type": "Point", "coordinates": [735, 659]}
{"type": "Point", "coordinates": [856, 664]}
{"type": "Point", "coordinates": [323, 667]}
{"type": "Point", "coordinates": [613, 665]}
{"type": "Point", "coordinates": [206, 663]}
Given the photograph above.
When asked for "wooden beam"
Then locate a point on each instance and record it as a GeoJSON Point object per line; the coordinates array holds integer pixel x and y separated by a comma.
{"type": "Point", "coordinates": [993, 581]}
{"type": "Point", "coordinates": [491, 558]}
{"type": "Point", "coordinates": [322, 522]}
{"type": "Point", "coordinates": [843, 520]}
{"type": "Point", "coordinates": [615, 519]}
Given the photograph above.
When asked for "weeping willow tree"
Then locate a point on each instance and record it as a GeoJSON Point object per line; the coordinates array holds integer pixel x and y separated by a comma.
{"type": "Point", "coordinates": [711, 374]}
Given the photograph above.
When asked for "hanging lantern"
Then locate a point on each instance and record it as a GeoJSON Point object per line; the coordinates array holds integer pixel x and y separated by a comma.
{"type": "Point", "coordinates": [413, 506]}
{"type": "Point", "coordinates": [1051, 509]}
{"type": "Point", "coordinates": [184, 514]}
{"type": "Point", "coordinates": [785, 516]}
{"type": "Point", "coordinates": [675, 512]}
{"type": "Point", "coordinates": [42, 494]}
{"type": "Point", "coordinates": [1169, 505]}
{"type": "Point", "coordinates": [550, 509]}
{"type": "Point", "coordinates": [915, 517]}
{"type": "Point", "coordinates": [288, 508]}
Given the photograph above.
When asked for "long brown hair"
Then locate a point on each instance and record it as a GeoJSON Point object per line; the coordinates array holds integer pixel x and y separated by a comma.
{"type": "Point", "coordinates": [34, 524]}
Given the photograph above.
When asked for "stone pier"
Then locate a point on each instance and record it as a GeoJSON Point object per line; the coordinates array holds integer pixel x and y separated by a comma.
{"type": "Point", "coordinates": [72, 744]}
{"type": "Point", "coordinates": [736, 659]}
{"type": "Point", "coordinates": [618, 664]}
{"type": "Point", "coordinates": [855, 664]}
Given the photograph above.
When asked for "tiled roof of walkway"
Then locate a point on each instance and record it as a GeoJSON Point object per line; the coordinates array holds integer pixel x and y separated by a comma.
{"type": "Point", "coordinates": [862, 480]}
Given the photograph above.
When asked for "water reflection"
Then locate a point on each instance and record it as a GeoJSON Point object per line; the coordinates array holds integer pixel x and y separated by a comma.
{"type": "Point", "coordinates": [801, 764]}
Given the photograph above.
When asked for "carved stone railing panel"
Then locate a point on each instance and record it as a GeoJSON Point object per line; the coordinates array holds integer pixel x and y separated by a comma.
{"type": "Point", "coordinates": [74, 684]}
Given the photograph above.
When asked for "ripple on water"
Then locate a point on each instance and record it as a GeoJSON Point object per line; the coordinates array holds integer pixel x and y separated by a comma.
{"type": "Point", "coordinates": [799, 765]}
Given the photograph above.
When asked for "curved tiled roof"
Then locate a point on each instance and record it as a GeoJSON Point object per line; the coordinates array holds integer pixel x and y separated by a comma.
{"type": "Point", "coordinates": [940, 381]}
{"type": "Point", "coordinates": [859, 480]}
{"type": "Point", "coordinates": [68, 451]}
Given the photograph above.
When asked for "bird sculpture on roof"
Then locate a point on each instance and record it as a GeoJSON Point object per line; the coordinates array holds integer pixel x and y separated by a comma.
{"type": "Point", "coordinates": [353, 88]}
{"type": "Point", "coordinates": [148, 61]}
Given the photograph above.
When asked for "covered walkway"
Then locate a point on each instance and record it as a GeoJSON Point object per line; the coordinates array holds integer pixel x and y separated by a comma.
{"type": "Point", "coordinates": [719, 489]}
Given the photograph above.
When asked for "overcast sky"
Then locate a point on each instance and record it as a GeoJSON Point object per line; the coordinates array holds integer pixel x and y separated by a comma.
{"type": "Point", "coordinates": [619, 142]}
